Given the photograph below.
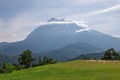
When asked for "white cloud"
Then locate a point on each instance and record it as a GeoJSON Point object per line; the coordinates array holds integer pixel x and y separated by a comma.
{"type": "Point", "coordinates": [105, 20]}
{"type": "Point", "coordinates": [107, 23]}
{"type": "Point", "coordinates": [82, 23]}
{"type": "Point", "coordinates": [81, 30]}
{"type": "Point", "coordinates": [93, 13]}
{"type": "Point", "coordinates": [117, 7]}
{"type": "Point", "coordinates": [25, 18]}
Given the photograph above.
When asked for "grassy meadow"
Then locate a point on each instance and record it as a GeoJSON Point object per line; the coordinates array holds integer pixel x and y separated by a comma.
{"type": "Point", "coordinates": [73, 70]}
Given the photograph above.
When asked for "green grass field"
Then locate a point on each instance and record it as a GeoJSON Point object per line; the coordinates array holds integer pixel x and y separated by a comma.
{"type": "Point", "coordinates": [74, 70]}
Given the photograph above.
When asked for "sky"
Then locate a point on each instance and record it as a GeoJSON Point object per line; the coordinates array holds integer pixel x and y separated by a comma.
{"type": "Point", "coordinates": [18, 18]}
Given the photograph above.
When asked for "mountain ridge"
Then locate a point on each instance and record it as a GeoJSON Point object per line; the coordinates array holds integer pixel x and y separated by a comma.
{"type": "Point", "coordinates": [56, 35]}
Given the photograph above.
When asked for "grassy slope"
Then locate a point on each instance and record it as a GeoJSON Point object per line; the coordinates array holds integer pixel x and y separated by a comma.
{"type": "Point", "coordinates": [75, 70]}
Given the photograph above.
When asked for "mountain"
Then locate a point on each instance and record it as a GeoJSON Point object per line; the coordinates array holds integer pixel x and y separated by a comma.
{"type": "Point", "coordinates": [58, 33]}
{"type": "Point", "coordinates": [55, 35]}
{"type": "Point", "coordinates": [9, 59]}
{"type": "Point", "coordinates": [72, 51]}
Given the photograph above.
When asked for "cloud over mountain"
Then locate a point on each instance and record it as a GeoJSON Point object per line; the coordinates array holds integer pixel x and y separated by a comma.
{"type": "Point", "coordinates": [17, 17]}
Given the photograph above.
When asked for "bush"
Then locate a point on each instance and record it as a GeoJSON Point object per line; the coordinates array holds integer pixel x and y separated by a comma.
{"type": "Point", "coordinates": [111, 54]}
{"type": "Point", "coordinates": [47, 60]}
{"type": "Point", "coordinates": [6, 68]}
{"type": "Point", "coordinates": [17, 67]}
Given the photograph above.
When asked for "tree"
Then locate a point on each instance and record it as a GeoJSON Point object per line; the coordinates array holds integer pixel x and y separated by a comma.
{"type": "Point", "coordinates": [25, 59]}
{"type": "Point", "coordinates": [40, 62]}
{"type": "Point", "coordinates": [17, 66]}
{"type": "Point", "coordinates": [6, 68]}
{"type": "Point", "coordinates": [47, 60]}
{"type": "Point", "coordinates": [111, 54]}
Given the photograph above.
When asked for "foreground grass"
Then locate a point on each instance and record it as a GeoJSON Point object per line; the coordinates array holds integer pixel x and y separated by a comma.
{"type": "Point", "coordinates": [74, 70]}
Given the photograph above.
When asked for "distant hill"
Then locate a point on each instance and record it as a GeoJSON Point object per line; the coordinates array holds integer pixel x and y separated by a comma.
{"type": "Point", "coordinates": [91, 56]}
{"type": "Point", "coordinates": [71, 51]}
{"type": "Point", "coordinates": [9, 59]}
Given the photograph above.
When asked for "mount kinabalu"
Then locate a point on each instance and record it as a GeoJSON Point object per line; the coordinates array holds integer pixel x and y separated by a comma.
{"type": "Point", "coordinates": [56, 34]}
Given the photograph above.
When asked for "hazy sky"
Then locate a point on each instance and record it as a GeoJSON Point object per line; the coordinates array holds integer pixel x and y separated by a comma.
{"type": "Point", "coordinates": [19, 17]}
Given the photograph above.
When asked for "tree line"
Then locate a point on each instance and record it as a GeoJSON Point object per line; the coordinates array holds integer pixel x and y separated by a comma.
{"type": "Point", "coordinates": [111, 54]}
{"type": "Point", "coordinates": [25, 61]}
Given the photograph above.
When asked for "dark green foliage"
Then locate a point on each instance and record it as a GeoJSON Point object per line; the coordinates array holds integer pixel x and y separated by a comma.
{"type": "Point", "coordinates": [43, 61]}
{"type": "Point", "coordinates": [6, 68]}
{"type": "Point", "coordinates": [111, 54]}
{"type": "Point", "coordinates": [17, 67]}
{"type": "Point", "coordinates": [40, 62]}
{"type": "Point", "coordinates": [47, 60]}
{"type": "Point", "coordinates": [95, 58]}
{"type": "Point", "coordinates": [25, 59]}
{"type": "Point", "coordinates": [34, 65]}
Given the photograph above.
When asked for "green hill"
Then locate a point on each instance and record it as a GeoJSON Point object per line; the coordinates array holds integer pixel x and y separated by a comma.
{"type": "Point", "coordinates": [73, 70]}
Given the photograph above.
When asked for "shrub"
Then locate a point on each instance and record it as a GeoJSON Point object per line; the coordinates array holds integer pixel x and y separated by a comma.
{"type": "Point", "coordinates": [111, 54]}
{"type": "Point", "coordinates": [6, 68]}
